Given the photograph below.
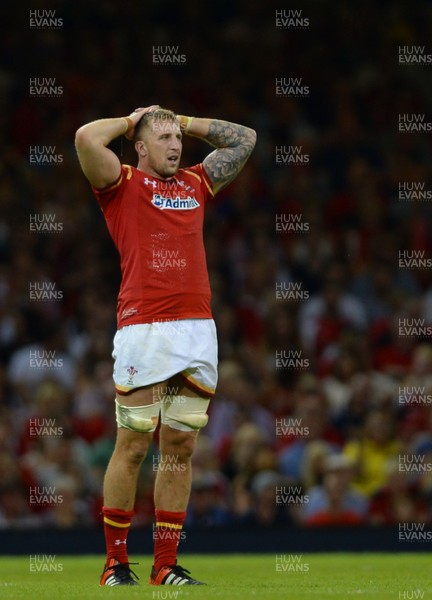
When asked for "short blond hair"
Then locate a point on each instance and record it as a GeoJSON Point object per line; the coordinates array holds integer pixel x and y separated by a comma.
{"type": "Point", "coordinates": [158, 115]}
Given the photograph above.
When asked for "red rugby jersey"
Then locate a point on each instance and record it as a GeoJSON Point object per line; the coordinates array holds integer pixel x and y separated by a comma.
{"type": "Point", "coordinates": [157, 227]}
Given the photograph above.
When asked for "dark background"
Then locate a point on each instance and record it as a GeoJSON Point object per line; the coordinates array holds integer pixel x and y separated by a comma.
{"type": "Point", "coordinates": [347, 262]}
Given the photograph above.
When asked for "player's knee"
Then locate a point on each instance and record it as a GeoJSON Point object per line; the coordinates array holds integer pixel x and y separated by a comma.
{"type": "Point", "coordinates": [136, 451]}
{"type": "Point", "coordinates": [131, 449]}
{"type": "Point", "coordinates": [178, 443]}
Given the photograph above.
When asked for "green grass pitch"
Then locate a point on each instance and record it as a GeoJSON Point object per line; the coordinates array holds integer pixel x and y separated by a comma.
{"type": "Point", "coordinates": [229, 577]}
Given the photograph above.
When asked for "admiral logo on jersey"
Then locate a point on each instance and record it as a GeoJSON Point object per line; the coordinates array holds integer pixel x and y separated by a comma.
{"type": "Point", "coordinates": [176, 203]}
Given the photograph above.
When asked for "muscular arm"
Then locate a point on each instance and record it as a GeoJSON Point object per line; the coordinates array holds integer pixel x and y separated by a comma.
{"type": "Point", "coordinates": [234, 144]}
{"type": "Point", "coordinates": [99, 164]}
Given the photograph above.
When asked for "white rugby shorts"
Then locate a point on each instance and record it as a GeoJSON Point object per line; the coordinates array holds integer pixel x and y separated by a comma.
{"type": "Point", "coordinates": [149, 353]}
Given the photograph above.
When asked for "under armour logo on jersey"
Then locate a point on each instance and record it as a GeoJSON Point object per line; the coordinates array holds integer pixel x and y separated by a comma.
{"type": "Point", "coordinates": [118, 542]}
{"type": "Point", "coordinates": [150, 182]}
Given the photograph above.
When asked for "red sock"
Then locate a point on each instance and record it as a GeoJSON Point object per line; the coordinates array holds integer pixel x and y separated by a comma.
{"type": "Point", "coordinates": [167, 537]}
{"type": "Point", "coordinates": [116, 527]}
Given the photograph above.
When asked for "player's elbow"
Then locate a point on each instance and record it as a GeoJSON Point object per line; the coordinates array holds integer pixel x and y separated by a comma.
{"type": "Point", "coordinates": [82, 138]}
{"type": "Point", "coordinates": [252, 137]}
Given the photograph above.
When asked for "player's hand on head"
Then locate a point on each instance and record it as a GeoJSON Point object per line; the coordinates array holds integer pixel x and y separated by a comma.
{"type": "Point", "coordinates": [146, 109]}
{"type": "Point", "coordinates": [137, 115]}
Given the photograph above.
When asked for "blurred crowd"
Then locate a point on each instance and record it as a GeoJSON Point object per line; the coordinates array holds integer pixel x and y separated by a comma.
{"type": "Point", "coordinates": [345, 435]}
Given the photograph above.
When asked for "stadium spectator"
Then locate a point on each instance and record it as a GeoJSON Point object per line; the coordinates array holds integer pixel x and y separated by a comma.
{"type": "Point", "coordinates": [208, 504]}
{"type": "Point", "coordinates": [401, 499]}
{"type": "Point", "coordinates": [308, 423]}
{"type": "Point", "coordinates": [373, 451]}
{"type": "Point", "coordinates": [335, 502]}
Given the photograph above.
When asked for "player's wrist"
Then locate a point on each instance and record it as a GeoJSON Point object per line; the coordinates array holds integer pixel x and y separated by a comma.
{"type": "Point", "coordinates": [129, 128]}
{"type": "Point", "coordinates": [185, 123]}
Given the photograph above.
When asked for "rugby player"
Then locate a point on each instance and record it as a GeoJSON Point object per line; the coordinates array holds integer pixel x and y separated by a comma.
{"type": "Point", "coordinates": [165, 347]}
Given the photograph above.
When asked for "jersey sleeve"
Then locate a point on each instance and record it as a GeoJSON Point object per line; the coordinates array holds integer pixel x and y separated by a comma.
{"type": "Point", "coordinates": [199, 172]}
{"type": "Point", "coordinates": [106, 196]}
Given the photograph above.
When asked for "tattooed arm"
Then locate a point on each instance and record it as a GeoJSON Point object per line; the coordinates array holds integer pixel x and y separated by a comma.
{"type": "Point", "coordinates": [234, 144]}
